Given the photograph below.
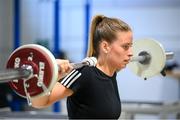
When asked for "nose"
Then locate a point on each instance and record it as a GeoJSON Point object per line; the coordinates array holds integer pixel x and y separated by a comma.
{"type": "Point", "coordinates": [130, 52]}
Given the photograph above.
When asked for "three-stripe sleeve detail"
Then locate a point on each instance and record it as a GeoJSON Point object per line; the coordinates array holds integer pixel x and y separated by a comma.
{"type": "Point", "coordinates": [70, 78]}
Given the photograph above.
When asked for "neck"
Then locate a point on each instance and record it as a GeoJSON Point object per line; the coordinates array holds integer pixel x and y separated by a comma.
{"type": "Point", "coordinates": [104, 66]}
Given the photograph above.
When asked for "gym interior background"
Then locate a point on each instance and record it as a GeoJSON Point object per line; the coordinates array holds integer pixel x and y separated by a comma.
{"type": "Point", "coordinates": [62, 26]}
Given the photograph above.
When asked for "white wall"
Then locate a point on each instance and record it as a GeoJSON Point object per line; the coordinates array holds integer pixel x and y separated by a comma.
{"type": "Point", "coordinates": [36, 21]}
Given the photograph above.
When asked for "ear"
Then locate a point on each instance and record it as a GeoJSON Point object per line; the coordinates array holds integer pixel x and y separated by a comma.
{"type": "Point", "coordinates": [105, 46]}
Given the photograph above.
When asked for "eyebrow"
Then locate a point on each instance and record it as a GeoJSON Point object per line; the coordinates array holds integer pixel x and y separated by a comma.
{"type": "Point", "coordinates": [127, 43]}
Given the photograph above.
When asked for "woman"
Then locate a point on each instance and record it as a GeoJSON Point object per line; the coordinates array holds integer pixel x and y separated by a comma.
{"type": "Point", "coordinates": [92, 92]}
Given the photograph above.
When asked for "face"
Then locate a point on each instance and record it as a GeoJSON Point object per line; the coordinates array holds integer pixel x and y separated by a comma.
{"type": "Point", "coordinates": [120, 50]}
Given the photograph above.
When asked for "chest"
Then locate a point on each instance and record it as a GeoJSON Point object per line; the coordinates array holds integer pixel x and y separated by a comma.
{"type": "Point", "coordinates": [102, 96]}
{"type": "Point", "coordinates": [100, 93]}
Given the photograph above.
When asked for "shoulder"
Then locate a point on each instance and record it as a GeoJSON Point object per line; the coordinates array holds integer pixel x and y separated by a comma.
{"type": "Point", "coordinates": [86, 69]}
{"type": "Point", "coordinates": [86, 73]}
{"type": "Point", "coordinates": [77, 77]}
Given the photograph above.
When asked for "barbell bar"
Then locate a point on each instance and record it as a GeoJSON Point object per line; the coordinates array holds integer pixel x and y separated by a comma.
{"type": "Point", "coordinates": [144, 57]}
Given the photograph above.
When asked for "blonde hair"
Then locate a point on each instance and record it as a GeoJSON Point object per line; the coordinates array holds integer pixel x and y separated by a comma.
{"type": "Point", "coordinates": [104, 28]}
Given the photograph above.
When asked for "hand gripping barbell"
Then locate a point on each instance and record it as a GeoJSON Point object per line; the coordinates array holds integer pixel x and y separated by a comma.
{"type": "Point", "coordinates": [32, 70]}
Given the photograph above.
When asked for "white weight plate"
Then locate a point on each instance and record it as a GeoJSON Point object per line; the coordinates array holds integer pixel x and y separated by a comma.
{"type": "Point", "coordinates": [157, 62]}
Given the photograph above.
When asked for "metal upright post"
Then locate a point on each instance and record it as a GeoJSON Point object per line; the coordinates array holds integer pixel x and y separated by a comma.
{"type": "Point", "coordinates": [87, 15]}
{"type": "Point", "coordinates": [17, 24]}
{"type": "Point", "coordinates": [57, 40]}
{"type": "Point", "coordinates": [57, 37]}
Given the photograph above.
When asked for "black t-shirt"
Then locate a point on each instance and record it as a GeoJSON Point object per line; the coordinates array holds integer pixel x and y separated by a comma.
{"type": "Point", "coordinates": [95, 94]}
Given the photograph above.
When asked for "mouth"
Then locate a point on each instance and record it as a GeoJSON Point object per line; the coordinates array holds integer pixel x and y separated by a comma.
{"type": "Point", "coordinates": [127, 61]}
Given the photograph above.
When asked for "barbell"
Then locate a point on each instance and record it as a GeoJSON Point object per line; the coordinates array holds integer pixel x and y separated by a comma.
{"type": "Point", "coordinates": [32, 71]}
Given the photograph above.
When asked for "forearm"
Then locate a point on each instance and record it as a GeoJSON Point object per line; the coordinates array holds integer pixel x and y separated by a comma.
{"type": "Point", "coordinates": [40, 102]}
{"type": "Point", "coordinates": [58, 92]}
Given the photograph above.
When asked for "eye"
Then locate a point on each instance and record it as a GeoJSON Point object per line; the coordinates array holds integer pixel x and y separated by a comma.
{"type": "Point", "coordinates": [126, 46]}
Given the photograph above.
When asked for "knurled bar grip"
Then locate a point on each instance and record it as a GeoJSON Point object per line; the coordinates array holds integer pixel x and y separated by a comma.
{"type": "Point", "coordinates": [13, 74]}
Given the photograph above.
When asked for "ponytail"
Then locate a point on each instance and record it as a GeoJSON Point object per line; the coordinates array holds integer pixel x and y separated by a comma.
{"type": "Point", "coordinates": [95, 21]}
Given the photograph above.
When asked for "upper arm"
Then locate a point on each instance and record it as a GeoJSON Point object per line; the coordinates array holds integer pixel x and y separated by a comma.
{"type": "Point", "coordinates": [59, 92]}
{"type": "Point", "coordinates": [68, 86]}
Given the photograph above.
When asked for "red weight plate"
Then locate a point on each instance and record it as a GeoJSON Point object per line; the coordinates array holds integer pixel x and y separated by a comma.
{"type": "Point", "coordinates": [43, 65]}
